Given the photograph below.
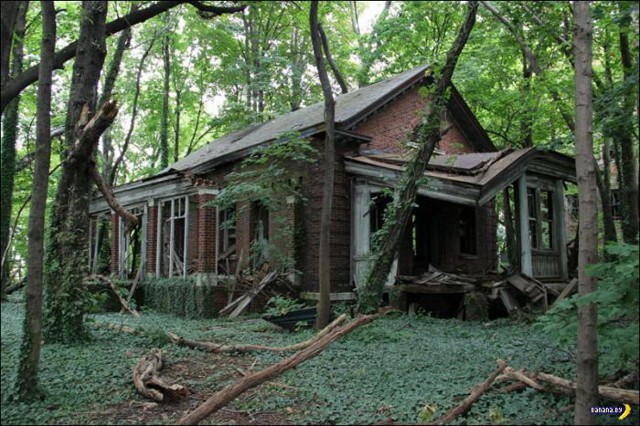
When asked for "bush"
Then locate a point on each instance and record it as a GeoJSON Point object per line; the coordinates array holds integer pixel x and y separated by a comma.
{"type": "Point", "coordinates": [180, 297]}
{"type": "Point", "coordinates": [617, 299]}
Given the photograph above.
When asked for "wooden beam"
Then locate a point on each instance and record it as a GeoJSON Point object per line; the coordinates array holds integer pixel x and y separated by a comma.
{"type": "Point", "coordinates": [526, 264]}
{"type": "Point", "coordinates": [334, 297]}
{"type": "Point", "coordinates": [560, 228]}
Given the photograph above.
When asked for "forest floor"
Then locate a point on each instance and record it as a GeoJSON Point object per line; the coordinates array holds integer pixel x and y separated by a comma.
{"type": "Point", "coordinates": [399, 367]}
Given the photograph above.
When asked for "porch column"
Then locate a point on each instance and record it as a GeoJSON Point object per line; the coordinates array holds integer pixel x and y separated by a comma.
{"type": "Point", "coordinates": [361, 231]}
{"type": "Point", "coordinates": [526, 264]}
{"type": "Point", "coordinates": [561, 227]}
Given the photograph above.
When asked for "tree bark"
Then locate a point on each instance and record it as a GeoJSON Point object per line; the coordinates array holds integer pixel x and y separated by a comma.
{"type": "Point", "coordinates": [399, 210]}
{"type": "Point", "coordinates": [334, 67]}
{"type": "Point", "coordinates": [222, 348]}
{"type": "Point", "coordinates": [475, 394]}
{"type": "Point", "coordinates": [324, 257]}
{"type": "Point", "coordinates": [134, 113]}
{"type": "Point", "coordinates": [13, 87]}
{"type": "Point", "coordinates": [147, 380]}
{"type": "Point", "coordinates": [10, 11]}
{"type": "Point", "coordinates": [587, 349]}
{"type": "Point", "coordinates": [27, 380]}
{"type": "Point", "coordinates": [629, 172]}
{"type": "Point", "coordinates": [223, 397]}
{"type": "Point", "coordinates": [67, 254]}
{"type": "Point", "coordinates": [10, 124]}
{"type": "Point", "coordinates": [164, 119]}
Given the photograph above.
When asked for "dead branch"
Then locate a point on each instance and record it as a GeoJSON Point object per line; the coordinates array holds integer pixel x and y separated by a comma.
{"type": "Point", "coordinates": [562, 386]}
{"type": "Point", "coordinates": [224, 396]}
{"type": "Point", "coordinates": [222, 348]}
{"type": "Point", "coordinates": [147, 380]}
{"type": "Point", "coordinates": [123, 302]}
{"type": "Point", "coordinates": [475, 394]}
{"type": "Point", "coordinates": [129, 219]}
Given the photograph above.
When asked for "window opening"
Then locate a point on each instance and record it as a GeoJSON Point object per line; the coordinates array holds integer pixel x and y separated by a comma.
{"type": "Point", "coordinates": [173, 242]}
{"type": "Point", "coordinates": [131, 245]}
{"type": "Point", "coordinates": [540, 219]}
{"type": "Point", "coordinates": [467, 229]}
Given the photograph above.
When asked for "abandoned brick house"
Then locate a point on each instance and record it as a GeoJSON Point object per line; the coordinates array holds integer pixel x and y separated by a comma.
{"type": "Point", "coordinates": [454, 222]}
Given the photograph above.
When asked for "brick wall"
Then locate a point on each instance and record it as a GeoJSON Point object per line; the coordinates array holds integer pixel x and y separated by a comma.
{"type": "Point", "coordinates": [152, 239]}
{"type": "Point", "coordinates": [207, 227]}
{"type": "Point", "coordinates": [341, 225]}
{"type": "Point", "coordinates": [399, 119]}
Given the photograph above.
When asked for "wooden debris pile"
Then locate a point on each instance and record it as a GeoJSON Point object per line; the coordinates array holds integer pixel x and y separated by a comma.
{"type": "Point", "coordinates": [266, 281]}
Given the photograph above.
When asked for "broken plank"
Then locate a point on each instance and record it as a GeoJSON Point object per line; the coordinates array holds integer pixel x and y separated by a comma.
{"type": "Point", "coordinates": [567, 290]}
{"type": "Point", "coordinates": [253, 293]}
{"type": "Point", "coordinates": [508, 300]}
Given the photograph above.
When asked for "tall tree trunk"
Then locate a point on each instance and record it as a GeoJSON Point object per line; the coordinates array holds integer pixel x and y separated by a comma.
{"type": "Point", "coordinates": [27, 379]}
{"type": "Point", "coordinates": [587, 349]}
{"type": "Point", "coordinates": [398, 212]}
{"type": "Point", "coordinates": [8, 18]}
{"type": "Point", "coordinates": [67, 257]}
{"type": "Point", "coordinates": [9, 138]}
{"type": "Point", "coordinates": [176, 130]}
{"type": "Point", "coordinates": [604, 187]}
{"type": "Point", "coordinates": [629, 189]}
{"type": "Point", "coordinates": [164, 122]}
{"type": "Point", "coordinates": [324, 258]}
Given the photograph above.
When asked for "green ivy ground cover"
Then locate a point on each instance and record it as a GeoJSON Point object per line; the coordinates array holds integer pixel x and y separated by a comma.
{"type": "Point", "coordinates": [399, 367]}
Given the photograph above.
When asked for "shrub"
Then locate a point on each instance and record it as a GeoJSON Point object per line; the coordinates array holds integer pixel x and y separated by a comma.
{"type": "Point", "coordinates": [180, 297]}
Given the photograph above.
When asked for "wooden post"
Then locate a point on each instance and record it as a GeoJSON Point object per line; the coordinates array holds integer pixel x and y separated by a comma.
{"type": "Point", "coordinates": [171, 236]}
{"type": "Point", "coordinates": [159, 237]}
{"type": "Point", "coordinates": [561, 228]}
{"type": "Point", "coordinates": [361, 230]}
{"type": "Point", "coordinates": [526, 265]}
{"type": "Point", "coordinates": [186, 239]}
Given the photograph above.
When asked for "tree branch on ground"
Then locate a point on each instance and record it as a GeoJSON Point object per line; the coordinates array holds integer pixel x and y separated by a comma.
{"type": "Point", "coordinates": [229, 393]}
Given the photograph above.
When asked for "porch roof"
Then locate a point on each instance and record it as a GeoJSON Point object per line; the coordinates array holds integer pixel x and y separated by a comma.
{"type": "Point", "coordinates": [469, 179]}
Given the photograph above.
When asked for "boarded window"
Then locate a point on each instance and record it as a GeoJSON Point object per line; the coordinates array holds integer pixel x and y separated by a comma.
{"type": "Point", "coordinates": [173, 237]}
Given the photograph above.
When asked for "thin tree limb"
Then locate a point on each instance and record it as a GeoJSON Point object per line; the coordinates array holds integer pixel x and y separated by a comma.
{"type": "Point", "coordinates": [332, 63]}
{"type": "Point", "coordinates": [223, 397]}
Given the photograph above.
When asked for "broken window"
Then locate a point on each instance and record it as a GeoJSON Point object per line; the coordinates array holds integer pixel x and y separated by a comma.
{"type": "Point", "coordinates": [132, 245]}
{"type": "Point", "coordinates": [227, 231]}
{"type": "Point", "coordinates": [260, 233]}
{"type": "Point", "coordinates": [173, 232]}
{"type": "Point", "coordinates": [467, 228]}
{"type": "Point", "coordinates": [540, 218]}
{"type": "Point", "coordinates": [100, 244]}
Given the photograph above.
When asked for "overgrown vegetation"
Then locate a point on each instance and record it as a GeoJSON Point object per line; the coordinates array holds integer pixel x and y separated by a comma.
{"type": "Point", "coordinates": [271, 177]}
{"type": "Point", "coordinates": [617, 299]}
{"type": "Point", "coordinates": [185, 298]}
{"type": "Point", "coordinates": [394, 368]}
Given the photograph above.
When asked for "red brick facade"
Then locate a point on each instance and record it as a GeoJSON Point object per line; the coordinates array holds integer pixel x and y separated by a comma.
{"type": "Point", "coordinates": [207, 230]}
{"type": "Point", "coordinates": [152, 238]}
{"type": "Point", "coordinates": [397, 121]}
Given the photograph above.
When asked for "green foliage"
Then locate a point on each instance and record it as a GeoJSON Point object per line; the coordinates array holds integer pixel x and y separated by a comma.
{"type": "Point", "coordinates": [616, 297]}
{"type": "Point", "coordinates": [180, 297]}
{"type": "Point", "coordinates": [279, 305]}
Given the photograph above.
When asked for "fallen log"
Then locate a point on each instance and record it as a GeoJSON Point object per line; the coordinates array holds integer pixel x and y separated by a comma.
{"type": "Point", "coordinates": [227, 394]}
{"type": "Point", "coordinates": [147, 380]}
{"type": "Point", "coordinates": [475, 394]}
{"type": "Point", "coordinates": [559, 385]}
{"type": "Point", "coordinates": [222, 348]}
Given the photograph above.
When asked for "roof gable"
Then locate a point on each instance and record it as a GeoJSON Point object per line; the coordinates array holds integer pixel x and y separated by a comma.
{"type": "Point", "coordinates": [350, 107]}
